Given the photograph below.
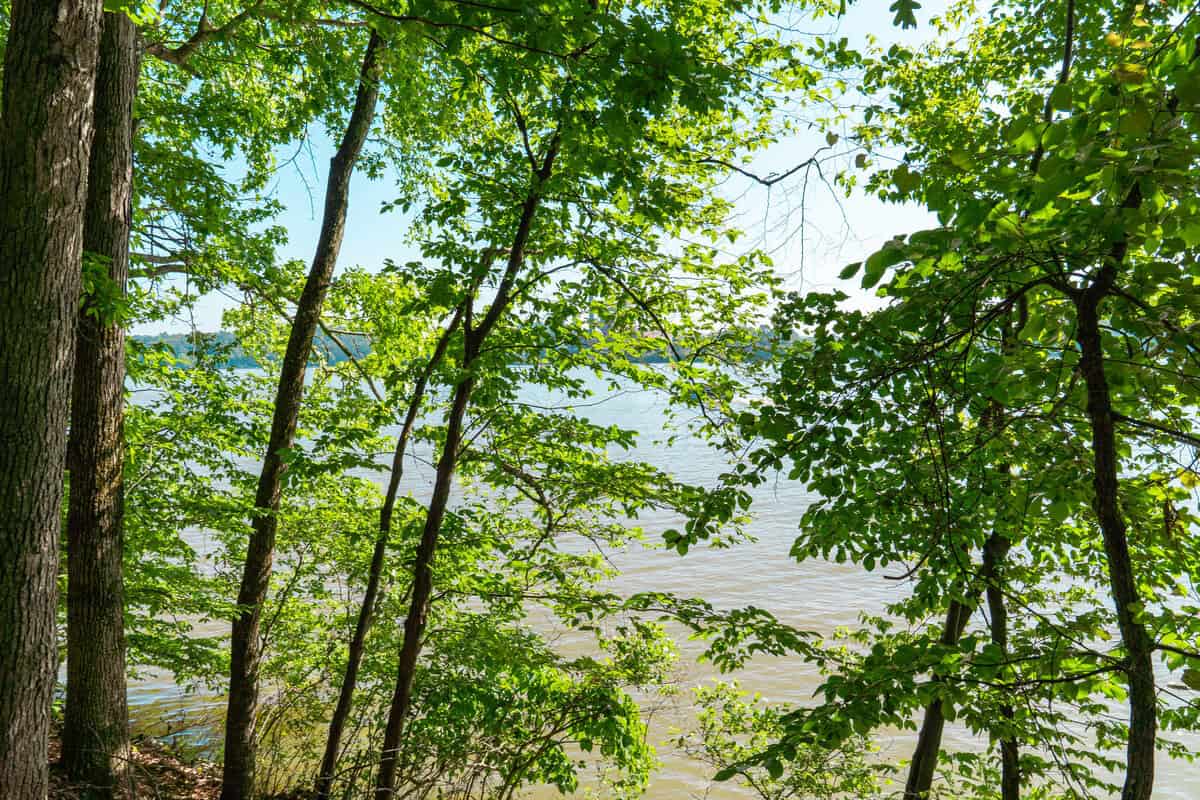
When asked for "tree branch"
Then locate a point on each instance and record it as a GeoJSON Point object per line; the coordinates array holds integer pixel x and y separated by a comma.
{"type": "Point", "coordinates": [1179, 436]}
{"type": "Point", "coordinates": [205, 31]}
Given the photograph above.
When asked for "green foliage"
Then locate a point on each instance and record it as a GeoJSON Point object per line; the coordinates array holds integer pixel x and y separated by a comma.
{"type": "Point", "coordinates": [558, 173]}
{"type": "Point", "coordinates": [956, 415]}
{"type": "Point", "coordinates": [732, 728]}
{"type": "Point", "coordinates": [622, 267]}
{"type": "Point", "coordinates": [102, 297]}
{"type": "Point", "coordinates": [142, 12]}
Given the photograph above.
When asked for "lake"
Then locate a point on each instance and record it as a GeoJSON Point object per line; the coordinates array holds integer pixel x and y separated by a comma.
{"type": "Point", "coordinates": [814, 595]}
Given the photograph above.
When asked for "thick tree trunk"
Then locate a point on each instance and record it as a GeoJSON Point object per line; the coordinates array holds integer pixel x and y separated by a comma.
{"type": "Point", "coordinates": [1143, 709]}
{"type": "Point", "coordinates": [929, 739]}
{"type": "Point", "coordinates": [245, 649]}
{"type": "Point", "coordinates": [994, 554]}
{"type": "Point", "coordinates": [341, 713]}
{"type": "Point", "coordinates": [45, 136]}
{"type": "Point", "coordinates": [95, 733]}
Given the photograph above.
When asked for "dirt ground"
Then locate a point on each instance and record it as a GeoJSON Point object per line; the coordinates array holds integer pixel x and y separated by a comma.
{"type": "Point", "coordinates": [156, 774]}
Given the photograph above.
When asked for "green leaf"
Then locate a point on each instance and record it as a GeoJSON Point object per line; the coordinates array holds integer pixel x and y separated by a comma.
{"type": "Point", "coordinates": [1129, 72]}
{"type": "Point", "coordinates": [878, 262]}
{"type": "Point", "coordinates": [905, 180]}
{"type": "Point", "coordinates": [143, 12]}
{"type": "Point", "coordinates": [726, 773]}
{"type": "Point", "coordinates": [1061, 97]}
{"type": "Point", "coordinates": [1136, 121]}
{"type": "Point", "coordinates": [904, 13]}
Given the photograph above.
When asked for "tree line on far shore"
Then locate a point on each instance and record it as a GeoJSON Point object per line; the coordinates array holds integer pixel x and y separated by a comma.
{"type": "Point", "coordinates": [1007, 429]}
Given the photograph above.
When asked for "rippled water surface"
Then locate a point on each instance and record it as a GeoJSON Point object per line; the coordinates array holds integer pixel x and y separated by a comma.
{"type": "Point", "coordinates": [814, 596]}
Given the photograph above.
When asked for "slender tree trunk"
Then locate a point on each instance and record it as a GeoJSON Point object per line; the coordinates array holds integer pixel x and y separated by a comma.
{"type": "Point", "coordinates": [45, 136]}
{"type": "Point", "coordinates": [366, 611]}
{"type": "Point", "coordinates": [245, 650]}
{"type": "Point", "coordinates": [994, 554]}
{"type": "Point", "coordinates": [1143, 710]}
{"type": "Point", "coordinates": [95, 733]}
{"type": "Point", "coordinates": [929, 740]}
{"type": "Point", "coordinates": [473, 338]}
{"type": "Point", "coordinates": [422, 590]}
{"type": "Point", "coordinates": [997, 547]}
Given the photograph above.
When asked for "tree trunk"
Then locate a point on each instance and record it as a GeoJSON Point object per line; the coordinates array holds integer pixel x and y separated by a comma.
{"type": "Point", "coordinates": [45, 136]}
{"type": "Point", "coordinates": [1143, 710]}
{"type": "Point", "coordinates": [245, 649]}
{"type": "Point", "coordinates": [95, 733]}
{"type": "Point", "coordinates": [366, 611]}
{"type": "Point", "coordinates": [995, 551]}
{"type": "Point", "coordinates": [473, 338]}
{"type": "Point", "coordinates": [929, 740]}
{"type": "Point", "coordinates": [422, 589]}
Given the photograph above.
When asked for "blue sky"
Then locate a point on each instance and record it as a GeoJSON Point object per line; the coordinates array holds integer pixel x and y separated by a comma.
{"type": "Point", "coordinates": [836, 230]}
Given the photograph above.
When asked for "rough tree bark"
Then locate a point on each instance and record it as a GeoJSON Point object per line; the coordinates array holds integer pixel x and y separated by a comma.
{"type": "Point", "coordinates": [245, 649]}
{"type": "Point", "coordinates": [422, 587]}
{"type": "Point", "coordinates": [95, 731]}
{"type": "Point", "coordinates": [45, 135]}
{"type": "Point", "coordinates": [1139, 648]}
{"type": "Point", "coordinates": [366, 611]}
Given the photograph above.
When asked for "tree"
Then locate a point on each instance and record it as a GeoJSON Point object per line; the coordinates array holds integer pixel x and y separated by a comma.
{"type": "Point", "coordinates": [570, 168]}
{"type": "Point", "coordinates": [95, 717]}
{"type": "Point", "coordinates": [244, 655]}
{"type": "Point", "coordinates": [45, 137]}
{"type": "Point", "coordinates": [1016, 337]}
{"type": "Point", "coordinates": [95, 729]}
{"type": "Point", "coordinates": [367, 608]}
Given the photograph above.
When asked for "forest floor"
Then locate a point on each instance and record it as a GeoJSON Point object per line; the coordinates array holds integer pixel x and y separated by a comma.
{"type": "Point", "coordinates": [157, 772]}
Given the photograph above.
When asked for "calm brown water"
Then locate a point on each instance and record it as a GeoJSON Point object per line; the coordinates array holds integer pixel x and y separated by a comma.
{"type": "Point", "coordinates": [814, 596]}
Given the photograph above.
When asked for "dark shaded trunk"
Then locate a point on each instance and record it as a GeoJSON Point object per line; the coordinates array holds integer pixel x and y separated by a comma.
{"type": "Point", "coordinates": [422, 590]}
{"type": "Point", "coordinates": [929, 740]}
{"type": "Point", "coordinates": [245, 648]}
{"type": "Point", "coordinates": [997, 547]}
{"type": "Point", "coordinates": [1143, 711]}
{"type": "Point", "coordinates": [994, 554]}
{"type": "Point", "coordinates": [45, 137]}
{"type": "Point", "coordinates": [341, 713]}
{"type": "Point", "coordinates": [95, 731]}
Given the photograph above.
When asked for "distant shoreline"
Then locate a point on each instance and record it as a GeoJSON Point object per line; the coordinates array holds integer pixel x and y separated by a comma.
{"type": "Point", "coordinates": [184, 345]}
{"type": "Point", "coordinates": [223, 343]}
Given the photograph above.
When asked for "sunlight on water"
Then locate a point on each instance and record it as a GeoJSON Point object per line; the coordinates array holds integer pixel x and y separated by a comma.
{"type": "Point", "coordinates": [814, 596]}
